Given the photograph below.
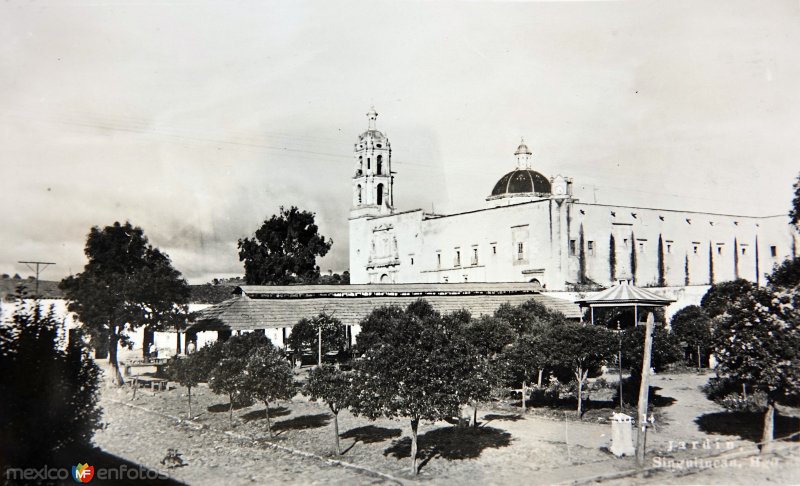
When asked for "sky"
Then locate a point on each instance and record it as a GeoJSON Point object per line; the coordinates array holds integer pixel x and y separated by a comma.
{"type": "Point", "coordinates": [197, 120]}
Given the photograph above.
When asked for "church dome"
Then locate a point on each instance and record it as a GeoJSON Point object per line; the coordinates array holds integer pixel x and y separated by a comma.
{"type": "Point", "coordinates": [522, 182]}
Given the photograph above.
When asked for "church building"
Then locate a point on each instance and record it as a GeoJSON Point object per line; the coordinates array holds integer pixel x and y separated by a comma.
{"type": "Point", "coordinates": [532, 229]}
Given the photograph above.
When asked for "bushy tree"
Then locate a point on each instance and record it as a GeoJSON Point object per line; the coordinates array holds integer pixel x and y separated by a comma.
{"type": "Point", "coordinates": [228, 375]}
{"type": "Point", "coordinates": [794, 211]}
{"type": "Point", "coordinates": [377, 327]}
{"type": "Point", "coordinates": [786, 275]}
{"type": "Point", "coordinates": [206, 359]}
{"type": "Point", "coordinates": [580, 348]}
{"type": "Point", "coordinates": [305, 335]}
{"type": "Point", "coordinates": [692, 326]}
{"type": "Point", "coordinates": [413, 372]}
{"type": "Point", "coordinates": [757, 342]}
{"type": "Point", "coordinates": [268, 377]}
{"type": "Point", "coordinates": [126, 284]}
{"type": "Point", "coordinates": [284, 249]}
{"type": "Point", "coordinates": [188, 372]}
{"type": "Point", "coordinates": [334, 387]}
{"type": "Point", "coordinates": [491, 335]}
{"type": "Point", "coordinates": [716, 301]}
{"type": "Point", "coordinates": [524, 317]}
{"type": "Point", "coordinates": [666, 349]}
{"type": "Point", "coordinates": [49, 389]}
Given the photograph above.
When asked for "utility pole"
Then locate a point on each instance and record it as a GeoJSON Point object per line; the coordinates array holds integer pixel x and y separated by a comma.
{"type": "Point", "coordinates": [39, 267]}
{"type": "Point", "coordinates": [644, 391]}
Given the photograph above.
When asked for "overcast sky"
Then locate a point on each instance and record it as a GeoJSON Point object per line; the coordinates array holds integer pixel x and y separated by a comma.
{"type": "Point", "coordinates": [197, 120]}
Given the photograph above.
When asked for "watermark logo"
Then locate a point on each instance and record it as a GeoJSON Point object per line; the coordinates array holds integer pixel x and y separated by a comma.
{"type": "Point", "coordinates": [82, 473]}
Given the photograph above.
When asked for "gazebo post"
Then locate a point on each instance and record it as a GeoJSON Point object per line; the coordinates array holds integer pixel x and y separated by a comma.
{"type": "Point", "coordinates": [635, 315]}
{"type": "Point", "coordinates": [591, 309]}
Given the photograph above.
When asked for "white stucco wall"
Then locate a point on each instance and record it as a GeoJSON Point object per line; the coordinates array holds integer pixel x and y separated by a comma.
{"type": "Point", "coordinates": [386, 246]}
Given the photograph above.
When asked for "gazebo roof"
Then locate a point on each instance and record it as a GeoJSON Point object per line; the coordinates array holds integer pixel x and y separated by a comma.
{"type": "Point", "coordinates": [624, 295]}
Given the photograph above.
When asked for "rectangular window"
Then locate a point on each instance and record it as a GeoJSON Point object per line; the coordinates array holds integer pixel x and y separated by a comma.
{"type": "Point", "coordinates": [694, 248]}
{"type": "Point", "coordinates": [412, 261]}
{"type": "Point", "coordinates": [773, 250]}
{"type": "Point", "coordinates": [744, 251]}
{"type": "Point", "coordinates": [641, 246]}
{"type": "Point", "coordinates": [573, 247]}
{"type": "Point", "coordinates": [625, 242]}
{"type": "Point", "coordinates": [494, 249]}
{"type": "Point", "coordinates": [520, 251]}
{"type": "Point", "coordinates": [474, 256]}
{"type": "Point", "coordinates": [590, 247]}
{"type": "Point", "coordinates": [669, 247]}
{"type": "Point", "coordinates": [719, 250]}
{"type": "Point", "coordinates": [457, 263]}
{"type": "Point", "coordinates": [438, 260]}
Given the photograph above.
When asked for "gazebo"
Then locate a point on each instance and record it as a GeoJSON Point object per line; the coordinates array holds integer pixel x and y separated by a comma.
{"type": "Point", "coordinates": [624, 295]}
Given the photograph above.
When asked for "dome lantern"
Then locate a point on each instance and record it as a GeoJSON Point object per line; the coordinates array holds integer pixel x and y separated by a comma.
{"type": "Point", "coordinates": [523, 155]}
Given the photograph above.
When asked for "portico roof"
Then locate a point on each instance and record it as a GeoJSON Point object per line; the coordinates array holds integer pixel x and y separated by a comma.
{"type": "Point", "coordinates": [261, 307]}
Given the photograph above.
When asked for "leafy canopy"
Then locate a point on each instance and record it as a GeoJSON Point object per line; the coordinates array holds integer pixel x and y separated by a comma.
{"type": "Point", "coordinates": [50, 393]}
{"type": "Point", "coordinates": [330, 385]}
{"type": "Point", "coordinates": [305, 334]}
{"type": "Point", "coordinates": [284, 249]}
{"type": "Point", "coordinates": [127, 283]}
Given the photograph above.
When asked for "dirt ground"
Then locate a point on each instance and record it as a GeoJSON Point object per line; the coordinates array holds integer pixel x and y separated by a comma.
{"type": "Point", "coordinates": [507, 448]}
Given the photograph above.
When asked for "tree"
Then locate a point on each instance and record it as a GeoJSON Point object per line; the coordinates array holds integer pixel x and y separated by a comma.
{"type": "Point", "coordinates": [491, 335]}
{"type": "Point", "coordinates": [692, 326]}
{"type": "Point", "coordinates": [786, 275]}
{"type": "Point", "coordinates": [228, 375]}
{"type": "Point", "coordinates": [666, 349]}
{"type": "Point", "coordinates": [334, 387]}
{"type": "Point", "coordinates": [719, 297]}
{"type": "Point", "coordinates": [412, 372]}
{"type": "Point", "coordinates": [612, 258]}
{"type": "Point", "coordinates": [757, 342]}
{"type": "Point", "coordinates": [794, 211]}
{"type": "Point", "coordinates": [528, 315]}
{"type": "Point", "coordinates": [284, 249]}
{"type": "Point", "coordinates": [305, 335]}
{"type": "Point", "coordinates": [49, 390]}
{"type": "Point", "coordinates": [268, 377]}
{"type": "Point", "coordinates": [126, 284]}
{"type": "Point", "coordinates": [186, 372]}
{"type": "Point", "coordinates": [580, 348]}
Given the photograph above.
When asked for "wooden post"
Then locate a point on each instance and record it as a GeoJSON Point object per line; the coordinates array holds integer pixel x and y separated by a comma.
{"type": "Point", "coordinates": [591, 309]}
{"type": "Point", "coordinates": [619, 363]}
{"type": "Point", "coordinates": [319, 351]}
{"type": "Point", "coordinates": [644, 390]}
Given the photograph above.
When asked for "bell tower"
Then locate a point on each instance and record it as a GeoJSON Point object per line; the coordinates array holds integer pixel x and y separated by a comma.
{"type": "Point", "coordinates": [373, 177]}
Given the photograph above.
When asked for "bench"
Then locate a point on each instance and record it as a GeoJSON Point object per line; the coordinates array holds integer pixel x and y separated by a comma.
{"type": "Point", "coordinates": [154, 383]}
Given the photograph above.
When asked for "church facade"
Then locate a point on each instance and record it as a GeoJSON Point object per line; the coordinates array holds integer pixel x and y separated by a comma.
{"type": "Point", "coordinates": [532, 229]}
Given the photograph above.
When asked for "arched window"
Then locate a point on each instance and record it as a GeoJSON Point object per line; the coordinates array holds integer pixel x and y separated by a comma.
{"type": "Point", "coordinates": [359, 194]}
{"type": "Point", "coordinates": [380, 164]}
{"type": "Point", "coordinates": [360, 165]}
{"type": "Point", "coordinates": [379, 196]}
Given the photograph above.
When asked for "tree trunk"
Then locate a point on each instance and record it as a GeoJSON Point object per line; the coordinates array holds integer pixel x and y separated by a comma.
{"type": "Point", "coordinates": [269, 424]}
{"type": "Point", "coordinates": [539, 381]}
{"type": "Point", "coordinates": [177, 342]}
{"type": "Point", "coordinates": [769, 424]}
{"type": "Point", "coordinates": [190, 402]}
{"type": "Point", "coordinates": [148, 337]}
{"type": "Point", "coordinates": [475, 415]}
{"type": "Point", "coordinates": [414, 424]}
{"type": "Point", "coordinates": [336, 431]}
{"type": "Point", "coordinates": [230, 408]}
{"type": "Point", "coordinates": [116, 376]}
